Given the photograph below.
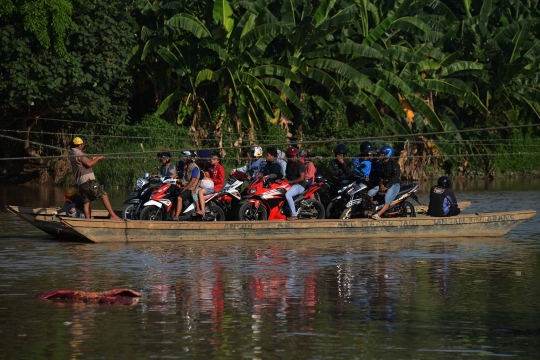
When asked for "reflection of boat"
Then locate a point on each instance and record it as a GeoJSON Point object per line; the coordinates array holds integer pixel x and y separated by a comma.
{"type": "Point", "coordinates": [481, 225]}
{"type": "Point", "coordinates": [44, 219]}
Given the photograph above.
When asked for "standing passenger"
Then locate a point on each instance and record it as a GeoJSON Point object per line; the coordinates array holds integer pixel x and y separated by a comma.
{"type": "Point", "coordinates": [89, 188]}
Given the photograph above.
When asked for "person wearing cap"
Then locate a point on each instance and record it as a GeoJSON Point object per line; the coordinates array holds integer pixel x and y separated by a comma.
{"type": "Point", "coordinates": [272, 165]}
{"type": "Point", "coordinates": [73, 204]}
{"type": "Point", "coordinates": [89, 188]}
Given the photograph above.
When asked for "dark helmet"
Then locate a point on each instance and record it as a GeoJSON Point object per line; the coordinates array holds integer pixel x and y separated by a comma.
{"type": "Point", "coordinates": [372, 151]}
{"type": "Point", "coordinates": [291, 152]}
{"type": "Point", "coordinates": [387, 151]}
{"type": "Point", "coordinates": [341, 149]}
{"type": "Point", "coordinates": [365, 146]}
{"type": "Point", "coordinates": [444, 181]}
{"type": "Point", "coordinates": [204, 154]}
{"type": "Point", "coordinates": [164, 154]}
{"type": "Point", "coordinates": [189, 155]}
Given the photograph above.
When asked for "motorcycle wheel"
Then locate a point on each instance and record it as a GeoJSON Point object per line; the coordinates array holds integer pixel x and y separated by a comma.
{"type": "Point", "coordinates": [406, 209]}
{"type": "Point", "coordinates": [129, 212]}
{"type": "Point", "coordinates": [334, 210]}
{"type": "Point", "coordinates": [346, 214]}
{"type": "Point", "coordinates": [314, 210]}
{"type": "Point", "coordinates": [217, 212]}
{"type": "Point", "coordinates": [152, 213]}
{"type": "Point", "coordinates": [249, 213]}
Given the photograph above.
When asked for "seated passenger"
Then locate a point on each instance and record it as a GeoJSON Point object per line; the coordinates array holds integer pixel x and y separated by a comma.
{"type": "Point", "coordinates": [189, 181]}
{"type": "Point", "coordinates": [442, 200]}
{"type": "Point", "coordinates": [340, 167]}
{"type": "Point", "coordinates": [311, 170]}
{"type": "Point", "coordinates": [167, 169]}
{"type": "Point", "coordinates": [255, 164]}
{"type": "Point", "coordinates": [390, 178]}
{"type": "Point", "coordinates": [272, 163]}
{"type": "Point", "coordinates": [296, 174]}
{"type": "Point", "coordinates": [73, 205]}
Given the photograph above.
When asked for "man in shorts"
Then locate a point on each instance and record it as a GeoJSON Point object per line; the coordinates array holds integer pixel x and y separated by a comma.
{"type": "Point", "coordinates": [89, 188]}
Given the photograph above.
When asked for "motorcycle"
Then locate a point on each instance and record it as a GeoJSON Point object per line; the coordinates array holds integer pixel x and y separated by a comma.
{"type": "Point", "coordinates": [163, 198]}
{"type": "Point", "coordinates": [334, 198]}
{"type": "Point", "coordinates": [229, 197]}
{"type": "Point", "coordinates": [267, 201]}
{"type": "Point", "coordinates": [139, 195]}
{"type": "Point", "coordinates": [357, 203]}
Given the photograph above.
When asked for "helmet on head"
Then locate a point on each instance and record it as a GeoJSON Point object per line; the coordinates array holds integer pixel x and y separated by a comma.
{"type": "Point", "coordinates": [291, 152]}
{"type": "Point", "coordinates": [303, 154]}
{"type": "Point", "coordinates": [341, 149]}
{"type": "Point", "coordinates": [189, 155]}
{"type": "Point", "coordinates": [365, 146]}
{"type": "Point", "coordinates": [78, 141]}
{"type": "Point", "coordinates": [164, 154]}
{"type": "Point", "coordinates": [254, 150]}
{"type": "Point", "coordinates": [70, 193]}
{"type": "Point", "coordinates": [387, 151]}
{"type": "Point", "coordinates": [444, 181]}
{"type": "Point", "coordinates": [372, 151]}
{"type": "Point", "coordinates": [204, 154]}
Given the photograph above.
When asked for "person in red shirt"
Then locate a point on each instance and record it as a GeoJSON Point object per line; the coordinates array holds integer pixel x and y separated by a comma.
{"type": "Point", "coordinates": [217, 172]}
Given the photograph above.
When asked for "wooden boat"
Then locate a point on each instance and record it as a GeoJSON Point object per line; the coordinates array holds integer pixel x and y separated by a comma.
{"type": "Point", "coordinates": [481, 225]}
{"type": "Point", "coordinates": [46, 220]}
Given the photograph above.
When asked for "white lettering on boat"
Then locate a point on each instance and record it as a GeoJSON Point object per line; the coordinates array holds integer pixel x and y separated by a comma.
{"type": "Point", "coordinates": [238, 226]}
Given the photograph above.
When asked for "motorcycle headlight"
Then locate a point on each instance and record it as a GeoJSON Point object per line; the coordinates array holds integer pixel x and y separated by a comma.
{"type": "Point", "coordinates": [139, 184]}
{"type": "Point", "coordinates": [253, 191]}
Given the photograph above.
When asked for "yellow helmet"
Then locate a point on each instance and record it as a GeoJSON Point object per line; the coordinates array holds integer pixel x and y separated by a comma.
{"type": "Point", "coordinates": [78, 141]}
{"type": "Point", "coordinates": [70, 193]}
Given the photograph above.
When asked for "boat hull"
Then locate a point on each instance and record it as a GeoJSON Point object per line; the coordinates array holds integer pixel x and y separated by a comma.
{"type": "Point", "coordinates": [45, 220]}
{"type": "Point", "coordinates": [482, 225]}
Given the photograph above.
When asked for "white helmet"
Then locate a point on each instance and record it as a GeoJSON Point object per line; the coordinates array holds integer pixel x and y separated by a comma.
{"type": "Point", "coordinates": [256, 151]}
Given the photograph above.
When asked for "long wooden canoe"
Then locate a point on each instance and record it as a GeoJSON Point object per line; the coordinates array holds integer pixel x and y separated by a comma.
{"type": "Point", "coordinates": [481, 225]}
{"type": "Point", "coordinates": [45, 220]}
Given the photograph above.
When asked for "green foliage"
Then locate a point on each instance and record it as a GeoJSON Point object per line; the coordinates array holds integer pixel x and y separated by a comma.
{"type": "Point", "coordinates": [92, 84]}
{"type": "Point", "coordinates": [43, 18]}
{"type": "Point", "coordinates": [151, 134]}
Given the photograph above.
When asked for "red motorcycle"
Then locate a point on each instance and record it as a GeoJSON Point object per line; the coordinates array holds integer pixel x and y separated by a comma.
{"type": "Point", "coordinates": [163, 199]}
{"type": "Point", "coordinates": [267, 201]}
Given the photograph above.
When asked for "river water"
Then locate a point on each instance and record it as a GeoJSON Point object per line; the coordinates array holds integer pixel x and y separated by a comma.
{"type": "Point", "coordinates": [300, 299]}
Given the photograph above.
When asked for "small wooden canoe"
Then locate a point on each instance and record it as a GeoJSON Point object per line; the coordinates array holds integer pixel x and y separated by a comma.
{"type": "Point", "coordinates": [45, 220]}
{"type": "Point", "coordinates": [481, 225]}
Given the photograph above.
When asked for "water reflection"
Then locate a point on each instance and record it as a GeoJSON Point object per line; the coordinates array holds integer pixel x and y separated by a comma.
{"type": "Point", "coordinates": [393, 298]}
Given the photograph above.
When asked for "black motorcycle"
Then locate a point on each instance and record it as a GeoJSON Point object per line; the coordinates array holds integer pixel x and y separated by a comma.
{"type": "Point", "coordinates": [139, 195]}
{"type": "Point", "coordinates": [336, 196]}
{"type": "Point", "coordinates": [357, 204]}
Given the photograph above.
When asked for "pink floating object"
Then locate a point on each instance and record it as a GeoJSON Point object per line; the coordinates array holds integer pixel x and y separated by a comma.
{"type": "Point", "coordinates": [114, 296]}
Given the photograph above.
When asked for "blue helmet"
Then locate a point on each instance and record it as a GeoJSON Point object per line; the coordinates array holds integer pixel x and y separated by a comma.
{"type": "Point", "coordinates": [387, 151]}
